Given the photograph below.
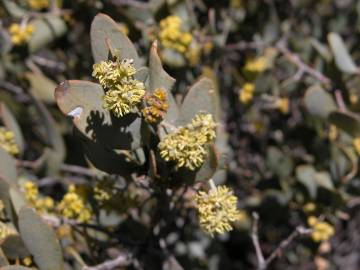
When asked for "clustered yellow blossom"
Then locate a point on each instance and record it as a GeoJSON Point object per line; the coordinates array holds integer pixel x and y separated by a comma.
{"type": "Point", "coordinates": [7, 141]}
{"type": "Point", "coordinates": [187, 146]}
{"type": "Point", "coordinates": [256, 65]}
{"type": "Point", "coordinates": [20, 34]}
{"type": "Point", "coordinates": [101, 195]}
{"type": "Point", "coordinates": [27, 261]}
{"type": "Point", "coordinates": [282, 104]}
{"type": "Point", "coordinates": [217, 210]}
{"type": "Point", "coordinates": [41, 204]}
{"type": "Point", "coordinates": [309, 207]}
{"type": "Point", "coordinates": [247, 93]}
{"type": "Point", "coordinates": [123, 91]}
{"type": "Point", "coordinates": [172, 37]}
{"type": "Point", "coordinates": [356, 143]}
{"type": "Point", "coordinates": [156, 106]}
{"type": "Point", "coordinates": [6, 230]}
{"type": "Point", "coordinates": [123, 28]}
{"type": "Point", "coordinates": [322, 230]}
{"type": "Point", "coordinates": [333, 133]}
{"type": "Point", "coordinates": [72, 206]}
{"type": "Point", "coordinates": [38, 4]}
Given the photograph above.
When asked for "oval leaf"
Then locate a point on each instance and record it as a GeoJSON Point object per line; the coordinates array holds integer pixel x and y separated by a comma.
{"type": "Point", "coordinates": [319, 102]}
{"type": "Point", "coordinates": [347, 121]}
{"type": "Point", "coordinates": [200, 98]}
{"type": "Point", "coordinates": [105, 36]}
{"type": "Point", "coordinates": [83, 100]}
{"type": "Point", "coordinates": [40, 240]}
{"type": "Point", "coordinates": [341, 54]}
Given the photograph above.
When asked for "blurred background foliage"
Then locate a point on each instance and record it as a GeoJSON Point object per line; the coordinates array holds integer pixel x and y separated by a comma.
{"type": "Point", "coordinates": [287, 77]}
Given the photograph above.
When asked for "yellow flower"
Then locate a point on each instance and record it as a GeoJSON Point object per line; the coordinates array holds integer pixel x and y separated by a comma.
{"type": "Point", "coordinates": [27, 261]}
{"type": "Point", "coordinates": [38, 4]}
{"type": "Point", "coordinates": [124, 97]}
{"type": "Point", "coordinates": [7, 141]}
{"type": "Point", "coordinates": [123, 28]}
{"type": "Point", "coordinates": [217, 210]}
{"type": "Point", "coordinates": [123, 91]}
{"type": "Point", "coordinates": [101, 195]}
{"type": "Point", "coordinates": [322, 230]}
{"type": "Point", "coordinates": [6, 230]}
{"type": "Point", "coordinates": [309, 207]}
{"type": "Point", "coordinates": [72, 206]}
{"type": "Point", "coordinates": [20, 34]}
{"type": "Point", "coordinates": [31, 191]}
{"type": "Point", "coordinates": [333, 133]}
{"type": "Point", "coordinates": [247, 93]}
{"type": "Point", "coordinates": [41, 204]}
{"type": "Point", "coordinates": [354, 98]}
{"type": "Point", "coordinates": [356, 143]}
{"type": "Point", "coordinates": [171, 36]}
{"type": "Point", "coordinates": [282, 105]}
{"type": "Point", "coordinates": [187, 146]}
{"type": "Point", "coordinates": [156, 106]}
{"type": "Point", "coordinates": [256, 65]}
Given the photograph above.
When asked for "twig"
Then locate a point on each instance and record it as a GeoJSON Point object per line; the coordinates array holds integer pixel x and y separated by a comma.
{"type": "Point", "coordinates": [295, 59]}
{"type": "Point", "coordinates": [42, 61]}
{"type": "Point", "coordinates": [340, 100]}
{"type": "Point", "coordinates": [122, 260]}
{"type": "Point", "coordinates": [255, 240]}
{"type": "Point", "coordinates": [262, 262]}
{"type": "Point", "coordinates": [300, 230]}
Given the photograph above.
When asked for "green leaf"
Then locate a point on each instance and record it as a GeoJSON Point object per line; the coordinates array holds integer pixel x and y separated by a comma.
{"type": "Point", "coordinates": [15, 267]}
{"type": "Point", "coordinates": [10, 122]}
{"type": "Point", "coordinates": [342, 57]}
{"type": "Point", "coordinates": [278, 162]}
{"type": "Point", "coordinates": [209, 167]}
{"type": "Point", "coordinates": [347, 121]}
{"type": "Point", "coordinates": [13, 9]}
{"type": "Point", "coordinates": [8, 170]}
{"type": "Point", "coordinates": [41, 87]}
{"type": "Point", "coordinates": [200, 98]}
{"type": "Point", "coordinates": [160, 79]}
{"type": "Point", "coordinates": [105, 34]}
{"type": "Point", "coordinates": [46, 30]}
{"type": "Point", "coordinates": [40, 240]}
{"type": "Point", "coordinates": [323, 179]}
{"type": "Point", "coordinates": [83, 101]}
{"type": "Point", "coordinates": [56, 151]}
{"type": "Point", "coordinates": [17, 199]}
{"type": "Point", "coordinates": [3, 260]}
{"type": "Point", "coordinates": [305, 174]}
{"type": "Point", "coordinates": [319, 102]}
{"type": "Point", "coordinates": [14, 248]}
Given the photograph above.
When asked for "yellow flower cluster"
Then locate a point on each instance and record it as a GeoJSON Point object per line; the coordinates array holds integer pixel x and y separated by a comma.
{"type": "Point", "coordinates": [6, 230]}
{"type": "Point", "coordinates": [217, 210]}
{"type": "Point", "coordinates": [38, 4]}
{"type": "Point", "coordinates": [322, 230]}
{"type": "Point", "coordinates": [72, 206]}
{"type": "Point", "coordinates": [247, 93]}
{"type": "Point", "coordinates": [171, 36]}
{"type": "Point", "coordinates": [7, 141]}
{"type": "Point", "coordinates": [124, 92]}
{"type": "Point", "coordinates": [356, 143]}
{"type": "Point", "coordinates": [41, 204]}
{"type": "Point", "coordinates": [156, 106]}
{"type": "Point", "coordinates": [20, 34]}
{"type": "Point", "coordinates": [256, 65]}
{"type": "Point", "coordinates": [101, 194]}
{"type": "Point", "coordinates": [282, 105]}
{"type": "Point", "coordinates": [187, 146]}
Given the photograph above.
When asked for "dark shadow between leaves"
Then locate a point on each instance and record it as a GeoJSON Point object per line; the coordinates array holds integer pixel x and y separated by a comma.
{"type": "Point", "coordinates": [117, 135]}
